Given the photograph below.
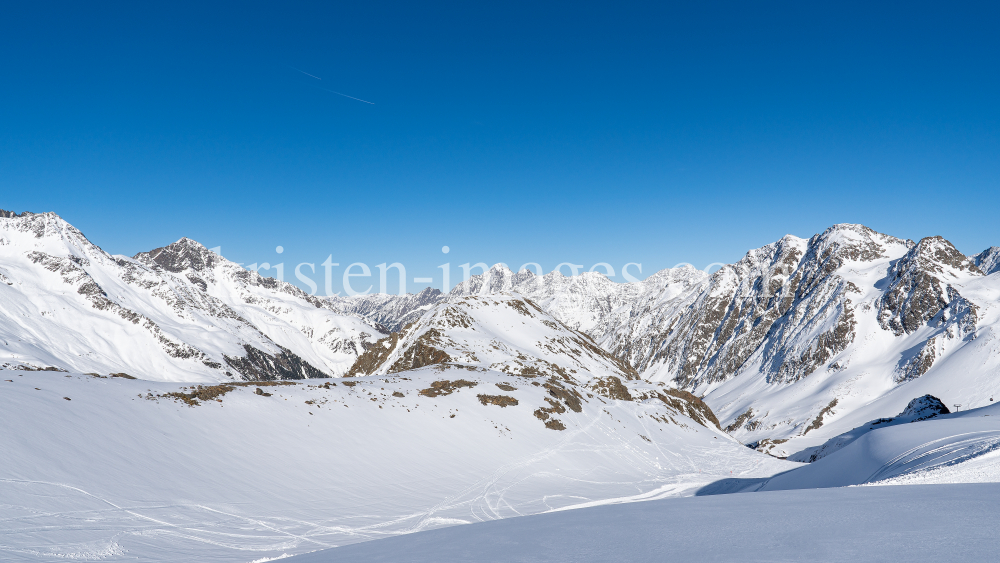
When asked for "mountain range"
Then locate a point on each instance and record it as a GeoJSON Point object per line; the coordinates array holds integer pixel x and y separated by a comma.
{"type": "Point", "coordinates": [797, 342]}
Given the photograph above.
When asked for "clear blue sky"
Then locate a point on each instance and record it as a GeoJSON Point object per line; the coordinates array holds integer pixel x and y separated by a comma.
{"type": "Point", "coordinates": [658, 133]}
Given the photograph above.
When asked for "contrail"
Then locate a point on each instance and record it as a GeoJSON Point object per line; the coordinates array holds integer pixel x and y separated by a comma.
{"type": "Point", "coordinates": [346, 96]}
{"type": "Point", "coordinates": [326, 89]}
{"type": "Point", "coordinates": [303, 72]}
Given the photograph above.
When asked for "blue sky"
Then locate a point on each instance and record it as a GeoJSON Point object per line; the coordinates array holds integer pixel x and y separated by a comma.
{"type": "Point", "coordinates": [654, 133]}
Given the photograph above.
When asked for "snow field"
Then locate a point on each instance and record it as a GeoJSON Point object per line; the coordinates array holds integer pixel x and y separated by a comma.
{"type": "Point", "coordinates": [113, 475]}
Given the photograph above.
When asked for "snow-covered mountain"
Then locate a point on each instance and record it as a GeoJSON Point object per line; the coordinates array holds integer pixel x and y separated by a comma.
{"type": "Point", "coordinates": [590, 302]}
{"type": "Point", "coordinates": [177, 313]}
{"type": "Point", "coordinates": [513, 394]}
{"type": "Point", "coordinates": [819, 336]}
{"type": "Point", "coordinates": [802, 338]}
{"type": "Point", "coordinates": [504, 332]}
{"type": "Point", "coordinates": [512, 335]}
{"type": "Point", "coordinates": [988, 261]}
{"type": "Point", "coordinates": [799, 341]}
{"type": "Point", "coordinates": [386, 311]}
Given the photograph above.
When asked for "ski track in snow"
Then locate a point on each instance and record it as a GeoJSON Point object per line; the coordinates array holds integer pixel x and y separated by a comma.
{"type": "Point", "coordinates": [114, 476]}
{"type": "Point", "coordinates": [48, 520]}
{"type": "Point", "coordinates": [199, 524]}
{"type": "Point", "coordinates": [939, 453]}
{"type": "Point", "coordinates": [133, 521]}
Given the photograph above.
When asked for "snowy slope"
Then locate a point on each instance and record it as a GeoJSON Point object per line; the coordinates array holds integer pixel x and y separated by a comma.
{"type": "Point", "coordinates": [123, 471]}
{"type": "Point", "coordinates": [176, 313]}
{"type": "Point", "coordinates": [921, 408]}
{"type": "Point", "coordinates": [885, 454]}
{"type": "Point", "coordinates": [511, 334]}
{"type": "Point", "coordinates": [503, 332]}
{"type": "Point", "coordinates": [590, 302]}
{"type": "Point", "coordinates": [913, 524]}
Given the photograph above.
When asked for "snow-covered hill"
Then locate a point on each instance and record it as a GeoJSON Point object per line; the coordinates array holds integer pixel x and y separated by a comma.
{"type": "Point", "coordinates": [503, 332]}
{"type": "Point", "coordinates": [919, 409]}
{"type": "Point", "coordinates": [113, 469]}
{"type": "Point", "coordinates": [905, 452]}
{"type": "Point", "coordinates": [177, 313]}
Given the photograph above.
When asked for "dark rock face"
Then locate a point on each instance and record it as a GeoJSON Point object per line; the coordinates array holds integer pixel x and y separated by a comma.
{"type": "Point", "coordinates": [777, 304]}
{"type": "Point", "coordinates": [918, 285]}
{"type": "Point", "coordinates": [13, 214]}
{"type": "Point", "coordinates": [988, 261]}
{"type": "Point", "coordinates": [423, 352]}
{"type": "Point", "coordinates": [741, 421]}
{"type": "Point", "coordinates": [258, 365]}
{"type": "Point", "coordinates": [182, 255]}
{"type": "Point", "coordinates": [727, 322]}
{"type": "Point", "coordinates": [612, 388]}
{"type": "Point", "coordinates": [818, 421]}
{"type": "Point", "coordinates": [377, 354]}
{"type": "Point", "coordinates": [912, 367]}
{"type": "Point", "coordinates": [691, 406]}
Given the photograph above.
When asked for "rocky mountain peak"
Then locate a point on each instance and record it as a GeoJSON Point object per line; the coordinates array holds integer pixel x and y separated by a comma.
{"type": "Point", "coordinates": [937, 255]}
{"type": "Point", "coordinates": [851, 242]}
{"type": "Point", "coordinates": [988, 261]}
{"type": "Point", "coordinates": [182, 255]}
{"type": "Point", "coordinates": [388, 313]}
{"type": "Point", "coordinates": [51, 234]}
{"type": "Point", "coordinates": [428, 295]}
{"type": "Point", "coordinates": [920, 287]}
{"type": "Point", "coordinates": [498, 278]}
